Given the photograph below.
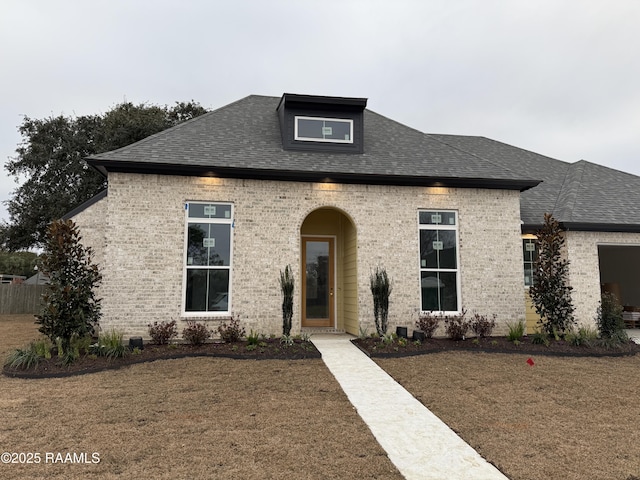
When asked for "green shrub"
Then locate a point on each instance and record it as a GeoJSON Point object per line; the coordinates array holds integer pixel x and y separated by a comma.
{"type": "Point", "coordinates": [381, 291]}
{"type": "Point", "coordinates": [286, 340]}
{"type": "Point", "coordinates": [24, 359]}
{"type": "Point", "coordinates": [196, 333]}
{"type": "Point", "coordinates": [584, 336]}
{"type": "Point", "coordinates": [540, 338]}
{"type": "Point", "coordinates": [286, 287]}
{"type": "Point", "coordinates": [110, 344]}
{"type": "Point", "coordinates": [70, 306]}
{"type": "Point", "coordinates": [551, 292]}
{"type": "Point", "coordinates": [609, 316]}
{"type": "Point", "coordinates": [428, 323]}
{"type": "Point", "coordinates": [232, 332]}
{"type": "Point", "coordinates": [516, 331]}
{"type": "Point", "coordinates": [455, 326]}
{"type": "Point", "coordinates": [161, 333]}
{"type": "Point", "coordinates": [253, 338]}
{"type": "Point", "coordinates": [482, 326]}
{"type": "Point", "coordinates": [42, 347]}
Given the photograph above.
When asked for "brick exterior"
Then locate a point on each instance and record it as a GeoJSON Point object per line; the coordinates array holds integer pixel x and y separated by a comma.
{"type": "Point", "coordinates": [141, 246]}
{"type": "Point", "coordinates": [584, 269]}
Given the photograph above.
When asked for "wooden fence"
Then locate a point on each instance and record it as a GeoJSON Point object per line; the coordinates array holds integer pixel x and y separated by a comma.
{"type": "Point", "coordinates": [20, 298]}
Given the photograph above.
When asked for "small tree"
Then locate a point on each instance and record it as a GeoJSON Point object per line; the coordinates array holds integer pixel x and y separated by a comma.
{"type": "Point", "coordinates": [610, 316]}
{"type": "Point", "coordinates": [286, 285]}
{"type": "Point", "coordinates": [70, 304]}
{"type": "Point", "coordinates": [381, 290]}
{"type": "Point", "coordinates": [550, 292]}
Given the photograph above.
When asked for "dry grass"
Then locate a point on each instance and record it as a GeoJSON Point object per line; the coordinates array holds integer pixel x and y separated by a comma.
{"type": "Point", "coordinates": [568, 418]}
{"type": "Point", "coordinates": [187, 418]}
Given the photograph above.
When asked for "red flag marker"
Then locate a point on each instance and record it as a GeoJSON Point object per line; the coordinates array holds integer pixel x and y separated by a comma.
{"type": "Point", "coordinates": [530, 362]}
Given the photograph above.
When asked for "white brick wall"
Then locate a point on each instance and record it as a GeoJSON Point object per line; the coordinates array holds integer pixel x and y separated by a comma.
{"type": "Point", "coordinates": [584, 269]}
{"type": "Point", "coordinates": [144, 242]}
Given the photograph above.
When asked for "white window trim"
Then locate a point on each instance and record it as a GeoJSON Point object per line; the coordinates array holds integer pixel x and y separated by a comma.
{"type": "Point", "coordinates": [455, 270]}
{"type": "Point", "coordinates": [323, 140]}
{"type": "Point", "coordinates": [230, 221]}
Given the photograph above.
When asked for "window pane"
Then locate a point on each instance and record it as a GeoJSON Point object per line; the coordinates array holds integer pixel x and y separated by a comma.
{"type": "Point", "coordinates": [208, 244]}
{"type": "Point", "coordinates": [196, 290]}
{"type": "Point", "coordinates": [448, 292]}
{"type": "Point", "coordinates": [438, 249]}
{"type": "Point", "coordinates": [337, 130]}
{"type": "Point", "coordinates": [447, 256]}
{"type": "Point", "coordinates": [209, 210]}
{"type": "Point", "coordinates": [437, 218]}
{"type": "Point", "coordinates": [439, 291]}
{"type": "Point", "coordinates": [324, 129]}
{"type": "Point", "coordinates": [207, 290]}
{"type": "Point", "coordinates": [428, 255]}
{"type": "Point", "coordinates": [218, 300]}
{"type": "Point", "coordinates": [308, 128]}
{"type": "Point", "coordinates": [317, 275]}
{"type": "Point", "coordinates": [528, 274]}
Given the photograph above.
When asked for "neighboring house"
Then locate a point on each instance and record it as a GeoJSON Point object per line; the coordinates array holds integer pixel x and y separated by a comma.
{"type": "Point", "coordinates": [200, 219]}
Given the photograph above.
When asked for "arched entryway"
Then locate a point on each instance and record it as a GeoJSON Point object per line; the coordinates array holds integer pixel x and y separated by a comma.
{"type": "Point", "coordinates": [328, 245]}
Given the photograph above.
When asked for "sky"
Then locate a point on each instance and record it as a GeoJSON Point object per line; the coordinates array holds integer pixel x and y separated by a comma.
{"type": "Point", "coordinates": [558, 77]}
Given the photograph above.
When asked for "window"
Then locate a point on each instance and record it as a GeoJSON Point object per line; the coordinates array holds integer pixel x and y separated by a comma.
{"type": "Point", "coordinates": [530, 254]}
{"type": "Point", "coordinates": [318, 129]}
{"type": "Point", "coordinates": [207, 273]}
{"type": "Point", "coordinates": [439, 275]}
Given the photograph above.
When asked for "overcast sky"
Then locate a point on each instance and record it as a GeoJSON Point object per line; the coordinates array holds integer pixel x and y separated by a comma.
{"type": "Point", "coordinates": [561, 78]}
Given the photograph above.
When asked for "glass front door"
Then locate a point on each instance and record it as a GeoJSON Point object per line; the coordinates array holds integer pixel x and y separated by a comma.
{"type": "Point", "coordinates": [317, 282]}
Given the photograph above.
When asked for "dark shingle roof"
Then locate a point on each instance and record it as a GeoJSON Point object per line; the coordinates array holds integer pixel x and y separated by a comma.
{"type": "Point", "coordinates": [581, 195]}
{"type": "Point", "coordinates": [244, 138]}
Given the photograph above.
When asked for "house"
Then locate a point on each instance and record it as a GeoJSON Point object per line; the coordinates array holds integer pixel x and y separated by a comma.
{"type": "Point", "coordinates": [199, 220]}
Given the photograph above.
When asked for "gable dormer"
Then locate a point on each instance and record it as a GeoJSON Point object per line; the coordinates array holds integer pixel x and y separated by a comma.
{"type": "Point", "coordinates": [322, 124]}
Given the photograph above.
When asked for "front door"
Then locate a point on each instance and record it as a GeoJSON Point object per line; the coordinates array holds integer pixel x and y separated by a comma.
{"type": "Point", "coordinates": [318, 282]}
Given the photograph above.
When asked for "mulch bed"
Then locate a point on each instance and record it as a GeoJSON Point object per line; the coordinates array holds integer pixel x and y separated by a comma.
{"type": "Point", "coordinates": [273, 350]}
{"type": "Point", "coordinates": [375, 347]}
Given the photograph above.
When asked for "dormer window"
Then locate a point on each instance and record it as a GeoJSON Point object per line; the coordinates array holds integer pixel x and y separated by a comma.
{"type": "Point", "coordinates": [311, 123]}
{"type": "Point", "coordinates": [320, 129]}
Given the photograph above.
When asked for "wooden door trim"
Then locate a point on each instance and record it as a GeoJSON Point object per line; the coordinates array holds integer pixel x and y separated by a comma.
{"type": "Point", "coordinates": [332, 278]}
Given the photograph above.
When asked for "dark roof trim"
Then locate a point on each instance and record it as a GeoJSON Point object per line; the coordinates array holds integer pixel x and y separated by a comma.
{"type": "Point", "coordinates": [586, 227]}
{"type": "Point", "coordinates": [310, 176]}
{"type": "Point", "coordinates": [292, 100]}
{"type": "Point", "coordinates": [95, 199]}
{"type": "Point", "coordinates": [600, 227]}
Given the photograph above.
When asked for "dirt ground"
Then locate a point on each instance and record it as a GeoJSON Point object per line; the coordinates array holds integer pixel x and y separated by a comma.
{"type": "Point", "coordinates": [187, 418]}
{"type": "Point", "coordinates": [562, 418]}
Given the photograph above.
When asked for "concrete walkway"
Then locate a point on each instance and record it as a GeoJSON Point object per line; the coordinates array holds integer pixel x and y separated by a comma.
{"type": "Point", "coordinates": [418, 443]}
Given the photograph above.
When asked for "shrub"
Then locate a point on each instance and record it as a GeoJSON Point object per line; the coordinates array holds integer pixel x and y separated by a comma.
{"type": "Point", "coordinates": [286, 286]}
{"type": "Point", "coordinates": [483, 326]}
{"type": "Point", "coordinates": [232, 332]}
{"type": "Point", "coordinates": [516, 331]}
{"type": "Point", "coordinates": [286, 340]}
{"type": "Point", "coordinates": [110, 345]}
{"type": "Point", "coordinates": [253, 338]}
{"type": "Point", "coordinates": [24, 359]}
{"type": "Point", "coordinates": [539, 338]}
{"type": "Point", "coordinates": [380, 290]}
{"type": "Point", "coordinates": [609, 316]}
{"type": "Point", "coordinates": [550, 292]}
{"type": "Point", "coordinates": [70, 304]}
{"type": "Point", "coordinates": [161, 333]}
{"type": "Point", "coordinates": [455, 326]}
{"type": "Point", "coordinates": [428, 323]}
{"type": "Point", "coordinates": [196, 333]}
